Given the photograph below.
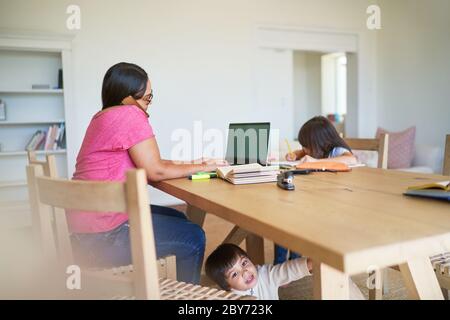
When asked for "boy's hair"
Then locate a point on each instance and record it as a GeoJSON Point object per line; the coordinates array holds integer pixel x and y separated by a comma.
{"type": "Point", "coordinates": [221, 260]}
{"type": "Point", "coordinates": [320, 136]}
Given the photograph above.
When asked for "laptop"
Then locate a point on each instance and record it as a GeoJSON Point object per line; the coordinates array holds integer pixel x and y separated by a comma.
{"type": "Point", "coordinates": [248, 143]}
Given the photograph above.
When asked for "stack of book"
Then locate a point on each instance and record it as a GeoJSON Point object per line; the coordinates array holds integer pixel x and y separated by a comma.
{"type": "Point", "coordinates": [249, 173]}
{"type": "Point", "coordinates": [53, 139]}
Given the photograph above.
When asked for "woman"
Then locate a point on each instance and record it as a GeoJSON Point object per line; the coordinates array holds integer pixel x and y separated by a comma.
{"type": "Point", "coordinates": [120, 138]}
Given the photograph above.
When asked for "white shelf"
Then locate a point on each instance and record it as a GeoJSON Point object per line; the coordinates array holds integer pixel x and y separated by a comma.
{"type": "Point", "coordinates": [31, 91]}
{"type": "Point", "coordinates": [28, 61]}
{"type": "Point", "coordinates": [9, 184]}
{"type": "Point", "coordinates": [22, 123]}
{"type": "Point", "coordinates": [24, 153]}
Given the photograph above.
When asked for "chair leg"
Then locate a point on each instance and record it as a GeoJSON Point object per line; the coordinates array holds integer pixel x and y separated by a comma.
{"type": "Point", "coordinates": [377, 286]}
{"type": "Point", "coordinates": [446, 293]}
{"type": "Point", "coordinates": [385, 289]}
{"type": "Point", "coordinates": [171, 262]}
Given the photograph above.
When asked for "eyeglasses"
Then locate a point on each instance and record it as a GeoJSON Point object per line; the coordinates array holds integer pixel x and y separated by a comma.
{"type": "Point", "coordinates": [148, 98]}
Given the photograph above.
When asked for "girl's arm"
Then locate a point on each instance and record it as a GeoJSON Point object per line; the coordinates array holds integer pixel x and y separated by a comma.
{"type": "Point", "coordinates": [146, 155]}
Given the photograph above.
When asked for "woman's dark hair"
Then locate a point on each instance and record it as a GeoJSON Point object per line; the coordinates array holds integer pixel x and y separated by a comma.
{"type": "Point", "coordinates": [320, 137]}
{"type": "Point", "coordinates": [123, 80]}
{"type": "Point", "coordinates": [220, 261]}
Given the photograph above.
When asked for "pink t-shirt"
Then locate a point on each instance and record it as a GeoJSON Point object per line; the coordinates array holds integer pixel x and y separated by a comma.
{"type": "Point", "coordinates": [104, 157]}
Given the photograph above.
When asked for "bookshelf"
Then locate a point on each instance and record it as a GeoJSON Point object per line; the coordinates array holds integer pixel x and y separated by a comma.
{"type": "Point", "coordinates": [36, 91]}
{"type": "Point", "coordinates": [27, 60]}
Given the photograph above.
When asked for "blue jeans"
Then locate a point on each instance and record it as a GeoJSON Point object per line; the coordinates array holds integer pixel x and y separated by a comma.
{"type": "Point", "coordinates": [280, 255]}
{"type": "Point", "coordinates": [174, 235]}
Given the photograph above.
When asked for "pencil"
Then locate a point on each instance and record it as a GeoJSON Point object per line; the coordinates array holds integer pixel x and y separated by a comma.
{"type": "Point", "coordinates": [288, 145]}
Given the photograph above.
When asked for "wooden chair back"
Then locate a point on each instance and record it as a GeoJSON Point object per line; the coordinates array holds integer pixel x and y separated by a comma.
{"type": "Point", "coordinates": [130, 196]}
{"type": "Point", "coordinates": [446, 170]}
{"type": "Point", "coordinates": [381, 145]}
{"type": "Point", "coordinates": [58, 218]}
{"type": "Point", "coordinates": [49, 165]}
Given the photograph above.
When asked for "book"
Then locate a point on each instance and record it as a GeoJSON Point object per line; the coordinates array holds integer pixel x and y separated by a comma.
{"type": "Point", "coordinates": [249, 173]}
{"type": "Point", "coordinates": [40, 142]}
{"type": "Point", "coordinates": [33, 141]}
{"type": "Point", "coordinates": [284, 163]}
{"type": "Point", "coordinates": [443, 185]}
{"type": "Point", "coordinates": [53, 137]}
{"type": "Point", "coordinates": [47, 138]}
{"type": "Point", "coordinates": [60, 139]}
{"type": "Point", "coordinates": [58, 133]}
{"type": "Point", "coordinates": [325, 166]}
{"type": "Point", "coordinates": [435, 190]}
{"type": "Point", "coordinates": [296, 164]}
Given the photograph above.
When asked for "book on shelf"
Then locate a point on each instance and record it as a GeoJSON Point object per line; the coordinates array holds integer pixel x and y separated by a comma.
{"type": "Point", "coordinates": [53, 133]}
{"type": "Point", "coordinates": [435, 190]}
{"type": "Point", "coordinates": [47, 138]}
{"type": "Point", "coordinates": [53, 139]}
{"type": "Point", "coordinates": [34, 140]}
{"type": "Point", "coordinates": [40, 143]}
{"type": "Point", "coordinates": [249, 173]}
{"type": "Point", "coordinates": [61, 134]}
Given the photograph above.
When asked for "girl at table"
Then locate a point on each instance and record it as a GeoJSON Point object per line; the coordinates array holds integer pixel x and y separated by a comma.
{"type": "Point", "coordinates": [320, 142]}
{"type": "Point", "coordinates": [231, 268]}
{"type": "Point", "coordinates": [120, 138]}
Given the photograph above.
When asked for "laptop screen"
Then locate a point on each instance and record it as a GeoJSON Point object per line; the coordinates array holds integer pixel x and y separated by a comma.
{"type": "Point", "coordinates": [248, 143]}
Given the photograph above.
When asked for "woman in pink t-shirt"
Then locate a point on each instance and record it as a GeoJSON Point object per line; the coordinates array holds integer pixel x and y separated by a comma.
{"type": "Point", "coordinates": [120, 138]}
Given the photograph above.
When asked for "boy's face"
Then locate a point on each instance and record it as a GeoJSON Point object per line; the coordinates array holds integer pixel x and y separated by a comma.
{"type": "Point", "coordinates": [243, 275]}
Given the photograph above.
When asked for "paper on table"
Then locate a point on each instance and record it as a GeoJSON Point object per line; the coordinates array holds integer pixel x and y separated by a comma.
{"type": "Point", "coordinates": [284, 163]}
{"type": "Point", "coordinates": [357, 165]}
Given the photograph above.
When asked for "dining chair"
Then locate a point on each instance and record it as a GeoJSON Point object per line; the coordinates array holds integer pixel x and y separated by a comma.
{"type": "Point", "coordinates": [166, 265]}
{"type": "Point", "coordinates": [130, 196]}
{"type": "Point", "coordinates": [446, 169]}
{"type": "Point", "coordinates": [441, 262]}
{"type": "Point", "coordinates": [380, 145]}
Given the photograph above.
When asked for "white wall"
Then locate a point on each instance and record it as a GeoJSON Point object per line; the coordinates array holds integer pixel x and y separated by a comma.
{"type": "Point", "coordinates": [307, 88]}
{"type": "Point", "coordinates": [200, 54]}
{"type": "Point", "coordinates": [414, 68]}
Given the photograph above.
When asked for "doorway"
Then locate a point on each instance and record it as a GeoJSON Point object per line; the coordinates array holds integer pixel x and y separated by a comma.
{"type": "Point", "coordinates": [305, 86]}
{"type": "Point", "coordinates": [320, 87]}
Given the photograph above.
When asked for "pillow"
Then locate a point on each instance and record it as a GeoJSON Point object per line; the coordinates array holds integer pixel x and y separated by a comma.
{"type": "Point", "coordinates": [401, 147]}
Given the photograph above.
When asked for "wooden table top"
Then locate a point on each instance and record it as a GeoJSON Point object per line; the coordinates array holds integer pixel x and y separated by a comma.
{"type": "Point", "coordinates": [350, 221]}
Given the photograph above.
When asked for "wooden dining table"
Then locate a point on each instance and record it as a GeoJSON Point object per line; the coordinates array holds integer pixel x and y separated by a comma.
{"type": "Point", "coordinates": [348, 223]}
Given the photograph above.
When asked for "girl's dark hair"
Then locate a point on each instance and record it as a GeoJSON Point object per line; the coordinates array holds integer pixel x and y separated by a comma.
{"type": "Point", "coordinates": [320, 137]}
{"type": "Point", "coordinates": [123, 80]}
{"type": "Point", "coordinates": [220, 261]}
